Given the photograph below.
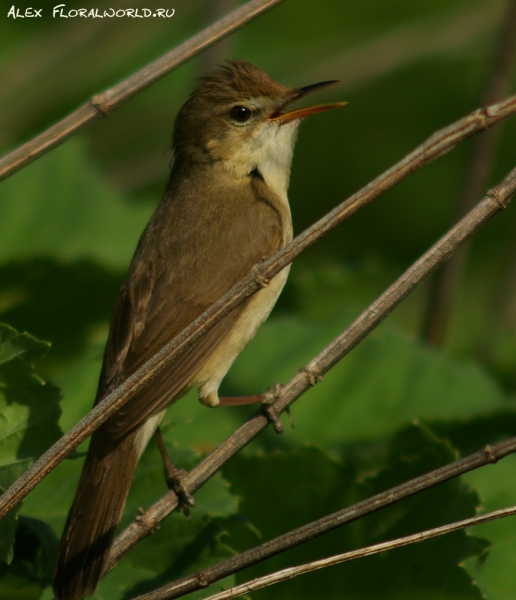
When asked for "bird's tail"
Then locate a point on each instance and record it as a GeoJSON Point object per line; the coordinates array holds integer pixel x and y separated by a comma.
{"type": "Point", "coordinates": [96, 511]}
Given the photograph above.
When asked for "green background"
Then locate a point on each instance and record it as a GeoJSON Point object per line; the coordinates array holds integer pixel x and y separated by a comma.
{"type": "Point", "coordinates": [394, 408]}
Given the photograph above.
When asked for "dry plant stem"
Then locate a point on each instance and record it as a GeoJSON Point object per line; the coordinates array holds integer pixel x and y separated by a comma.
{"type": "Point", "coordinates": [497, 198]}
{"type": "Point", "coordinates": [201, 579]}
{"type": "Point", "coordinates": [438, 144]}
{"type": "Point", "coordinates": [103, 104]}
{"type": "Point", "coordinates": [291, 572]}
{"type": "Point", "coordinates": [449, 278]}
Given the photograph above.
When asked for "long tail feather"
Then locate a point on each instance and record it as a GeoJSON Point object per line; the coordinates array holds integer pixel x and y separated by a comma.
{"type": "Point", "coordinates": [96, 511]}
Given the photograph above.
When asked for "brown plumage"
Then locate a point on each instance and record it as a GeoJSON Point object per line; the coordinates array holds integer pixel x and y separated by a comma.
{"type": "Point", "coordinates": [224, 210]}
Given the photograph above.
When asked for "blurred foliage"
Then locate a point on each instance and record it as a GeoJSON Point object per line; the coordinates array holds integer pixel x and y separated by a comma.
{"type": "Point", "coordinates": [323, 486]}
{"type": "Point", "coordinates": [30, 414]}
{"type": "Point", "coordinates": [391, 410]}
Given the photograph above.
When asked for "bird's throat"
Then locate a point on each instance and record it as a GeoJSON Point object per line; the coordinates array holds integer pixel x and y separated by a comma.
{"type": "Point", "coordinates": [266, 153]}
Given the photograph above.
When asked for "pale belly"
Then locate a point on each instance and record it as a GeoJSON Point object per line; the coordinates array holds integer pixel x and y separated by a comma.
{"type": "Point", "coordinates": [210, 375]}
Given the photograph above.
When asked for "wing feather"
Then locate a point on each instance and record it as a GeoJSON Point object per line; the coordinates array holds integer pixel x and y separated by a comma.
{"type": "Point", "coordinates": [173, 279]}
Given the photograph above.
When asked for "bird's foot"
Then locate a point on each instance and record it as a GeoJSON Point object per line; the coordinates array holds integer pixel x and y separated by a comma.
{"type": "Point", "coordinates": [268, 399]}
{"type": "Point", "coordinates": [175, 478]}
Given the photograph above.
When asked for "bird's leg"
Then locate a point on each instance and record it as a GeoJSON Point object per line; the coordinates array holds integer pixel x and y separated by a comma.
{"type": "Point", "coordinates": [175, 477]}
{"type": "Point", "coordinates": [266, 399]}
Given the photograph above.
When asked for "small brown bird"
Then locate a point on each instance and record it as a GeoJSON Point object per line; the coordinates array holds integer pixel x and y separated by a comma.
{"type": "Point", "coordinates": [224, 210]}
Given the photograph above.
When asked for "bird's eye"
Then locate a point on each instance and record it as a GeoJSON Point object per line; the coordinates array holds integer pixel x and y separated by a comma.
{"type": "Point", "coordinates": [241, 114]}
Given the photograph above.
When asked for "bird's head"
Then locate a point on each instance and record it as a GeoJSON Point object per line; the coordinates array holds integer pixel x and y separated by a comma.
{"type": "Point", "coordinates": [237, 115]}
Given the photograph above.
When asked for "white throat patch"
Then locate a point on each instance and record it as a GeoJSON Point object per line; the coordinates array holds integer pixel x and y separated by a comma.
{"type": "Point", "coordinates": [269, 150]}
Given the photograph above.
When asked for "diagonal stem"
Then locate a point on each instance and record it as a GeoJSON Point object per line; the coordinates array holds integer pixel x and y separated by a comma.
{"type": "Point", "coordinates": [291, 572]}
{"type": "Point", "coordinates": [201, 579]}
{"type": "Point", "coordinates": [259, 277]}
{"type": "Point", "coordinates": [448, 280]}
{"type": "Point", "coordinates": [101, 105]}
{"type": "Point", "coordinates": [497, 198]}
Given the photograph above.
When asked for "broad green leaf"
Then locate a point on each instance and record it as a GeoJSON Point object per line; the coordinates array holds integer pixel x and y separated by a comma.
{"type": "Point", "coordinates": [29, 413]}
{"type": "Point", "coordinates": [287, 489]}
{"type": "Point", "coordinates": [63, 229]}
{"type": "Point", "coordinates": [59, 206]}
{"type": "Point", "coordinates": [32, 567]}
{"type": "Point", "coordinates": [20, 345]}
{"type": "Point", "coordinates": [29, 406]}
{"type": "Point", "coordinates": [65, 302]}
{"type": "Point", "coordinates": [386, 381]}
{"type": "Point", "coordinates": [78, 385]}
{"type": "Point", "coordinates": [493, 482]}
{"type": "Point", "coordinates": [177, 547]}
{"type": "Point", "coordinates": [65, 239]}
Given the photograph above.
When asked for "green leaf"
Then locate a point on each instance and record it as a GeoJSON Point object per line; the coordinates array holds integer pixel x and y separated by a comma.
{"type": "Point", "coordinates": [179, 545]}
{"type": "Point", "coordinates": [65, 302]}
{"type": "Point", "coordinates": [492, 482]}
{"type": "Point", "coordinates": [284, 490]}
{"type": "Point", "coordinates": [65, 238]}
{"type": "Point", "coordinates": [20, 345]}
{"type": "Point", "coordinates": [29, 410]}
{"type": "Point", "coordinates": [60, 206]}
{"type": "Point", "coordinates": [386, 381]}
{"type": "Point", "coordinates": [7, 533]}
{"type": "Point", "coordinates": [32, 567]}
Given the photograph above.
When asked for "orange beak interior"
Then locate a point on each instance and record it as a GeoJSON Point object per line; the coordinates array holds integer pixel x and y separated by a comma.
{"type": "Point", "coordinates": [299, 113]}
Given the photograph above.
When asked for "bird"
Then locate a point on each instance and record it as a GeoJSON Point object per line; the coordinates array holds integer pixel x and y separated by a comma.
{"type": "Point", "coordinates": [224, 210]}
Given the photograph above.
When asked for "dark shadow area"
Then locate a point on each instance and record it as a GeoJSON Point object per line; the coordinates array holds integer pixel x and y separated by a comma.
{"type": "Point", "coordinates": [57, 302]}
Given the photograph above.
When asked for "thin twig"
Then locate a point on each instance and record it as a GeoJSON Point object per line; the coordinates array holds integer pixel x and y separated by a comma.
{"type": "Point", "coordinates": [291, 572]}
{"type": "Point", "coordinates": [103, 104]}
{"type": "Point", "coordinates": [308, 376]}
{"type": "Point", "coordinates": [201, 579]}
{"type": "Point", "coordinates": [437, 145]}
{"type": "Point", "coordinates": [357, 66]}
{"type": "Point", "coordinates": [448, 280]}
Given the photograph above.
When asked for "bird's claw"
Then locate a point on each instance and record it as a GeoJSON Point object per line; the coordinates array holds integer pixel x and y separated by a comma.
{"type": "Point", "coordinates": [175, 479]}
{"type": "Point", "coordinates": [269, 398]}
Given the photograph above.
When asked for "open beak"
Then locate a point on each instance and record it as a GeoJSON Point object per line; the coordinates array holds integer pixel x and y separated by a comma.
{"type": "Point", "coordinates": [299, 113]}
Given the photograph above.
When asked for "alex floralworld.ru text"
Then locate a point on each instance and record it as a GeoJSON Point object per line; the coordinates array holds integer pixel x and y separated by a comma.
{"type": "Point", "coordinates": [61, 12]}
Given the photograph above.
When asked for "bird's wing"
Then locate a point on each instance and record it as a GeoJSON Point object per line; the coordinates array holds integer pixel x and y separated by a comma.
{"type": "Point", "coordinates": [158, 301]}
